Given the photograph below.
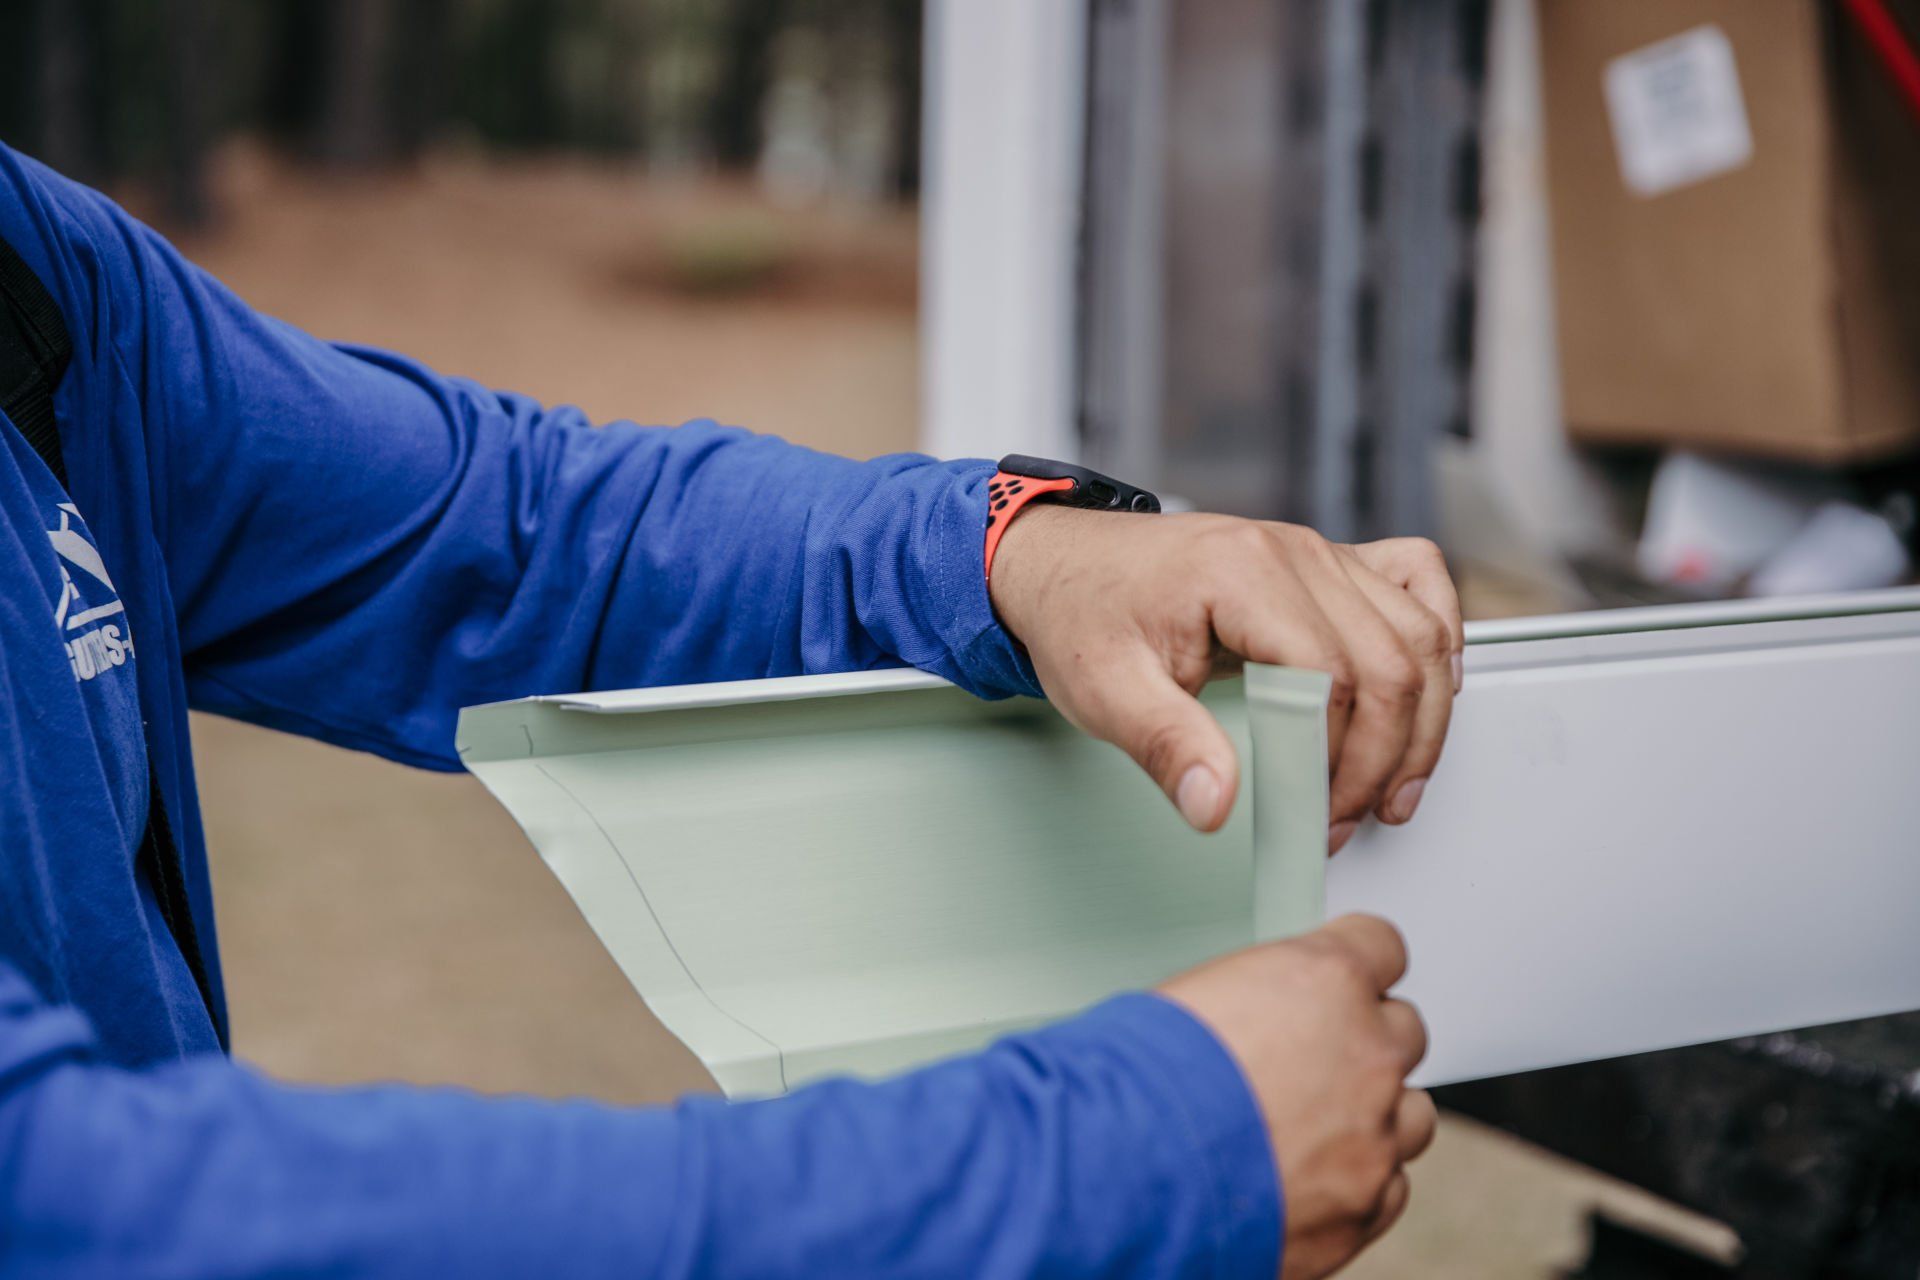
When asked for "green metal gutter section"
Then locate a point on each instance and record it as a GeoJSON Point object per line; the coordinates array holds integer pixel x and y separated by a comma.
{"type": "Point", "coordinates": [890, 871]}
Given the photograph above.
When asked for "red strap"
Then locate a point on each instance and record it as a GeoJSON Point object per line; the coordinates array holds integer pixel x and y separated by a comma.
{"type": "Point", "coordinates": [1006, 494]}
{"type": "Point", "coordinates": [1891, 45]}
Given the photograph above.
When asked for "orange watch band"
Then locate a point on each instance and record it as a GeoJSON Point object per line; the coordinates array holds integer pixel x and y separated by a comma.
{"type": "Point", "coordinates": [1007, 493]}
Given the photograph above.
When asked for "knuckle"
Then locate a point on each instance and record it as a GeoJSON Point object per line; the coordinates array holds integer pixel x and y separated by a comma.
{"type": "Point", "coordinates": [1396, 678]}
{"type": "Point", "coordinates": [1424, 550]}
{"type": "Point", "coordinates": [1385, 1077]}
{"type": "Point", "coordinates": [1369, 1167]}
{"type": "Point", "coordinates": [1430, 637]}
{"type": "Point", "coordinates": [1310, 543]}
{"type": "Point", "coordinates": [1393, 1199]}
{"type": "Point", "coordinates": [1345, 683]}
{"type": "Point", "coordinates": [1399, 1039]}
{"type": "Point", "coordinates": [1319, 956]}
{"type": "Point", "coordinates": [1340, 967]}
{"type": "Point", "coordinates": [1160, 749]}
{"type": "Point", "coordinates": [1396, 942]}
{"type": "Point", "coordinates": [1385, 932]}
{"type": "Point", "coordinates": [1412, 556]}
{"type": "Point", "coordinates": [1239, 539]}
{"type": "Point", "coordinates": [1314, 540]}
{"type": "Point", "coordinates": [1418, 1036]}
{"type": "Point", "coordinates": [1383, 1161]}
{"type": "Point", "coordinates": [1302, 542]}
{"type": "Point", "coordinates": [1351, 806]}
{"type": "Point", "coordinates": [1421, 1115]}
{"type": "Point", "coordinates": [1359, 1197]}
{"type": "Point", "coordinates": [1354, 794]}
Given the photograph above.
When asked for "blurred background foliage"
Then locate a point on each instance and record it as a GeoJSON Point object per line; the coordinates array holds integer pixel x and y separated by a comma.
{"type": "Point", "coordinates": [812, 95]}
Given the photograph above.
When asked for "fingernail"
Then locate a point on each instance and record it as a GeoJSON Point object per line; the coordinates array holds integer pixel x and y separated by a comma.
{"type": "Point", "coordinates": [1338, 834]}
{"type": "Point", "coordinates": [1198, 796]}
{"type": "Point", "coordinates": [1407, 799]}
{"type": "Point", "coordinates": [1459, 673]}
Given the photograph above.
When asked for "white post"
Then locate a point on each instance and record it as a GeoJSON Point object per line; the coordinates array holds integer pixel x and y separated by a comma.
{"type": "Point", "coordinates": [1001, 206]}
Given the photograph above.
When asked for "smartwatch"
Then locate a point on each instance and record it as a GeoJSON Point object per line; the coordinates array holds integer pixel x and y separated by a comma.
{"type": "Point", "coordinates": [1022, 480]}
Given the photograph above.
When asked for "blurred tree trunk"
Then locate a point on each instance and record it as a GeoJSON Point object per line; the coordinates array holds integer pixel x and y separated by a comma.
{"type": "Point", "coordinates": [189, 87]}
{"type": "Point", "coordinates": [67, 123]}
{"type": "Point", "coordinates": [737, 111]}
{"type": "Point", "coordinates": [510, 90]}
{"type": "Point", "coordinates": [353, 108]}
{"type": "Point", "coordinates": [905, 48]}
{"type": "Point", "coordinates": [625, 90]}
{"type": "Point", "coordinates": [290, 98]}
{"type": "Point", "coordinates": [422, 67]}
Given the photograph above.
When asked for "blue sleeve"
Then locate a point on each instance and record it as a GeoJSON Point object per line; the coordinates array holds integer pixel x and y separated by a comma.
{"type": "Point", "coordinates": [1122, 1143]}
{"type": "Point", "coordinates": [356, 546]}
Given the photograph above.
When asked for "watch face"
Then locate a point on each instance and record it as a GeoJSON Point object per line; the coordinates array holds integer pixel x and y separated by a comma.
{"type": "Point", "coordinates": [1090, 489]}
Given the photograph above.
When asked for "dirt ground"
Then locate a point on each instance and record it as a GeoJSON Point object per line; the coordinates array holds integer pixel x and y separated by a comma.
{"type": "Point", "coordinates": [379, 923]}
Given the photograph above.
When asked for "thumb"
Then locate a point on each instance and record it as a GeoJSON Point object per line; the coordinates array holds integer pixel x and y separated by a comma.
{"type": "Point", "coordinates": [1175, 739]}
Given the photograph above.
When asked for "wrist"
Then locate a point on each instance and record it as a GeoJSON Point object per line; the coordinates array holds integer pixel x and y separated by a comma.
{"type": "Point", "coordinates": [1207, 1132]}
{"type": "Point", "coordinates": [1023, 483]}
{"type": "Point", "coordinates": [1024, 565]}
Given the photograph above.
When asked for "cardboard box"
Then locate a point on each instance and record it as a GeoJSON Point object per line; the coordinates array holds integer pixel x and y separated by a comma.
{"type": "Point", "coordinates": [1735, 190]}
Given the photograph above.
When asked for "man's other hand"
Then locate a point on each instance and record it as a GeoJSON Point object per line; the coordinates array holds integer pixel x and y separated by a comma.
{"type": "Point", "coordinates": [1126, 616]}
{"type": "Point", "coordinates": [1326, 1053]}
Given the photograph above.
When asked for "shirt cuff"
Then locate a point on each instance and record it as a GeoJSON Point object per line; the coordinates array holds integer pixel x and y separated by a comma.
{"type": "Point", "coordinates": [992, 664]}
{"type": "Point", "coordinates": [1211, 1110]}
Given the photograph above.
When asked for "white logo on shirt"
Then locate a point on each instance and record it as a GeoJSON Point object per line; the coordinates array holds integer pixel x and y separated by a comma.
{"type": "Point", "coordinates": [107, 645]}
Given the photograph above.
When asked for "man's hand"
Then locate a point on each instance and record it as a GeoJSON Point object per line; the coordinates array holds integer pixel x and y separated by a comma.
{"type": "Point", "coordinates": [1126, 616]}
{"type": "Point", "coordinates": [1326, 1054]}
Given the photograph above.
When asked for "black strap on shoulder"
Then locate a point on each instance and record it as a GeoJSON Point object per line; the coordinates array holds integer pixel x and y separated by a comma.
{"type": "Point", "coordinates": [34, 351]}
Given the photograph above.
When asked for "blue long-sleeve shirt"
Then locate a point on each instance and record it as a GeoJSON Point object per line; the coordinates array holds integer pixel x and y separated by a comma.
{"type": "Point", "coordinates": [338, 542]}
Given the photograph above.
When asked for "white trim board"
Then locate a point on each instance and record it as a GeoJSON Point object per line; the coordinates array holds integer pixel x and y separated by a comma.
{"type": "Point", "coordinates": [1699, 828]}
{"type": "Point", "coordinates": [1644, 840]}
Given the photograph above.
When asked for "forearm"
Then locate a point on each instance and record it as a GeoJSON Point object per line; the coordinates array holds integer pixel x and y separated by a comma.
{"type": "Point", "coordinates": [1065, 1153]}
{"type": "Point", "coordinates": [753, 557]}
{"type": "Point", "coordinates": [1122, 1143]}
{"type": "Point", "coordinates": [542, 555]}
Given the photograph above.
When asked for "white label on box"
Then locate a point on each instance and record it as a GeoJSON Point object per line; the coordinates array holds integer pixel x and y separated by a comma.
{"type": "Point", "coordinates": [1678, 117]}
